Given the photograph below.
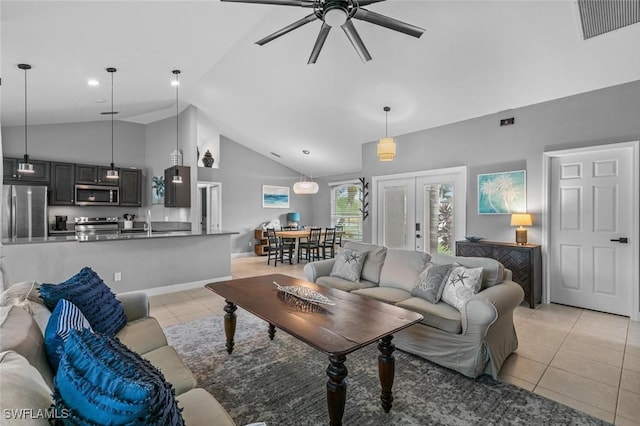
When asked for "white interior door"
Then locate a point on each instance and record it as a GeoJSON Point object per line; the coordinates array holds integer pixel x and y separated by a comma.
{"type": "Point", "coordinates": [591, 210]}
{"type": "Point", "coordinates": [396, 205]}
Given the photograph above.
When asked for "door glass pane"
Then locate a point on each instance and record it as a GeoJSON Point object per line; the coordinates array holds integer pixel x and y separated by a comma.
{"type": "Point", "coordinates": [395, 217]}
{"type": "Point", "coordinates": [438, 218]}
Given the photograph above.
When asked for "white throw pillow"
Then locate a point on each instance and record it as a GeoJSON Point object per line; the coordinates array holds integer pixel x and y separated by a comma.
{"type": "Point", "coordinates": [348, 264]}
{"type": "Point", "coordinates": [24, 393]}
{"type": "Point", "coordinates": [461, 285]}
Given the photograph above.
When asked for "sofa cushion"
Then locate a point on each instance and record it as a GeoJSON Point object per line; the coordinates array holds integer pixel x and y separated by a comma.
{"type": "Point", "coordinates": [431, 282]}
{"type": "Point", "coordinates": [65, 316]}
{"type": "Point", "coordinates": [88, 292]}
{"type": "Point", "coordinates": [348, 264]}
{"type": "Point", "coordinates": [200, 408]}
{"type": "Point", "coordinates": [166, 360]}
{"type": "Point", "coordinates": [384, 294]}
{"type": "Point", "coordinates": [20, 333]}
{"type": "Point", "coordinates": [440, 315]}
{"type": "Point", "coordinates": [373, 263]}
{"type": "Point", "coordinates": [402, 267]}
{"type": "Point", "coordinates": [342, 284]}
{"type": "Point", "coordinates": [101, 381]}
{"type": "Point", "coordinates": [461, 285]}
{"type": "Point", "coordinates": [22, 388]}
{"type": "Point", "coordinates": [492, 270]}
{"type": "Point", "coordinates": [143, 335]}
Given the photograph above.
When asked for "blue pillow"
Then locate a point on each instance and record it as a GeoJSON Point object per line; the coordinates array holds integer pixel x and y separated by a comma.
{"type": "Point", "coordinates": [91, 295]}
{"type": "Point", "coordinates": [101, 381]}
{"type": "Point", "coordinates": [65, 317]}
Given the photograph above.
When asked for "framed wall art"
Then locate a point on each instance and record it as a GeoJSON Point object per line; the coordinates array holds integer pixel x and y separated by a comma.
{"type": "Point", "coordinates": [502, 193]}
{"type": "Point", "coordinates": [275, 197]}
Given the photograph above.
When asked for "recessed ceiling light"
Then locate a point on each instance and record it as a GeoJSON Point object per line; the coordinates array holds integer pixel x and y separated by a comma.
{"type": "Point", "coordinates": [93, 82]}
{"type": "Point", "coordinates": [305, 152]}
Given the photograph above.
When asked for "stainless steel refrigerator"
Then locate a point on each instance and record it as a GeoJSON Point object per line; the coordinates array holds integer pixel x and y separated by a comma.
{"type": "Point", "coordinates": [24, 211]}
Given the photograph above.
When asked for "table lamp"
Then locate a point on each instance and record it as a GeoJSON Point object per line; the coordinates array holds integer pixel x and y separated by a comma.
{"type": "Point", "coordinates": [293, 218]}
{"type": "Point", "coordinates": [521, 220]}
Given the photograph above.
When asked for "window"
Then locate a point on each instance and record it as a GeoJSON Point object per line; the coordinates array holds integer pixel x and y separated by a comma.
{"type": "Point", "coordinates": [346, 205]}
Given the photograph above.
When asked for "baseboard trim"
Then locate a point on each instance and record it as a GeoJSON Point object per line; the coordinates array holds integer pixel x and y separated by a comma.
{"type": "Point", "coordinates": [155, 291]}
{"type": "Point", "coordinates": [243, 254]}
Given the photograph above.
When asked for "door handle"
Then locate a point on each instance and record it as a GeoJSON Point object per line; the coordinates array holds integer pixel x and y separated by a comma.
{"type": "Point", "coordinates": [621, 240]}
{"type": "Point", "coordinates": [417, 235]}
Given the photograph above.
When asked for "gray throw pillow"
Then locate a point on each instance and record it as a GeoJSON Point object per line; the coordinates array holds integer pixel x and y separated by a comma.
{"type": "Point", "coordinates": [431, 282]}
{"type": "Point", "coordinates": [461, 285]}
{"type": "Point", "coordinates": [348, 264]}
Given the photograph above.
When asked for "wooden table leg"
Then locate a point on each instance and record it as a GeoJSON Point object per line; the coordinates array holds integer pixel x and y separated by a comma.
{"type": "Point", "coordinates": [272, 331]}
{"type": "Point", "coordinates": [230, 324]}
{"type": "Point", "coordinates": [386, 371]}
{"type": "Point", "coordinates": [336, 388]}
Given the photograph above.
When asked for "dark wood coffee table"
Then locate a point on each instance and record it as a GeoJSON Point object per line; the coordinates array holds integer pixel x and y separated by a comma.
{"type": "Point", "coordinates": [337, 330]}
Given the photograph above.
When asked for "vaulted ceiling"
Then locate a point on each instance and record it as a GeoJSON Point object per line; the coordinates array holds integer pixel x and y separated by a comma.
{"type": "Point", "coordinates": [476, 57]}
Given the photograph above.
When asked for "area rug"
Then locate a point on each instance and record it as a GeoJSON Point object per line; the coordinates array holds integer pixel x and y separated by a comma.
{"type": "Point", "coordinates": [283, 383]}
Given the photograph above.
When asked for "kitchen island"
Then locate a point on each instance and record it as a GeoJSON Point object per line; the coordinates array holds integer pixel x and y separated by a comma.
{"type": "Point", "coordinates": [157, 262]}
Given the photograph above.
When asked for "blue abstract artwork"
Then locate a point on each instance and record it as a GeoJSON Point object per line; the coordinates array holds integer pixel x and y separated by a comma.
{"type": "Point", "coordinates": [276, 197]}
{"type": "Point", "coordinates": [502, 193]}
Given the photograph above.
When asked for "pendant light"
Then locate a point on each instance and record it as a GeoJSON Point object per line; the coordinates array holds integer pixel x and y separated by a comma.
{"type": "Point", "coordinates": [386, 145]}
{"type": "Point", "coordinates": [112, 173]}
{"type": "Point", "coordinates": [305, 186]}
{"type": "Point", "coordinates": [25, 166]}
{"type": "Point", "coordinates": [176, 177]}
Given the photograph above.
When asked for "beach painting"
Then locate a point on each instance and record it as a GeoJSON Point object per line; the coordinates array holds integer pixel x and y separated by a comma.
{"type": "Point", "coordinates": [502, 193]}
{"type": "Point", "coordinates": [275, 197]}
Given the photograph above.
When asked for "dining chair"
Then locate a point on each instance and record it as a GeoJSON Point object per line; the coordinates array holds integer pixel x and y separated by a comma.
{"type": "Point", "coordinates": [276, 249]}
{"type": "Point", "coordinates": [328, 243]}
{"type": "Point", "coordinates": [311, 247]}
{"type": "Point", "coordinates": [338, 237]}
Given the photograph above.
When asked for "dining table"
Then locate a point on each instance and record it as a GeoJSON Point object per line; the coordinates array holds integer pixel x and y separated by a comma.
{"type": "Point", "coordinates": [296, 234]}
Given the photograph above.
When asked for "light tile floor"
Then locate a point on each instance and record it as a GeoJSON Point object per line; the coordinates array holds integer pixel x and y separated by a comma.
{"type": "Point", "coordinates": [585, 359]}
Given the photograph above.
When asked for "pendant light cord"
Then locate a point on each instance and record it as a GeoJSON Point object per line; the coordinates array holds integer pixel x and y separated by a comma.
{"type": "Point", "coordinates": [26, 152]}
{"type": "Point", "coordinates": [177, 133]}
{"type": "Point", "coordinates": [112, 119]}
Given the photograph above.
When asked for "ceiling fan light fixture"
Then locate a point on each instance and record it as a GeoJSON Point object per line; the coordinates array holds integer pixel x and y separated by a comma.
{"type": "Point", "coordinates": [386, 146]}
{"type": "Point", "coordinates": [335, 16]}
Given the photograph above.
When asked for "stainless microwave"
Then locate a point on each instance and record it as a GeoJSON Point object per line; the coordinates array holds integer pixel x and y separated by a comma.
{"type": "Point", "coordinates": [94, 195]}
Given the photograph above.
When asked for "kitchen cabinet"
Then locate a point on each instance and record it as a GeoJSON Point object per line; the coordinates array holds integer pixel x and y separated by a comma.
{"type": "Point", "coordinates": [94, 175]}
{"type": "Point", "coordinates": [10, 174]}
{"type": "Point", "coordinates": [63, 179]}
{"type": "Point", "coordinates": [177, 194]}
{"type": "Point", "coordinates": [130, 187]}
{"type": "Point", "coordinates": [524, 261]}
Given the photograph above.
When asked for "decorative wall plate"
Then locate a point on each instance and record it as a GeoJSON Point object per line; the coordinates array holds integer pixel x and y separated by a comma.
{"type": "Point", "coordinates": [304, 293]}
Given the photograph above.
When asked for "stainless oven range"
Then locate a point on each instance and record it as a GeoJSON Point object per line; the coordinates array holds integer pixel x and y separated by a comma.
{"type": "Point", "coordinates": [86, 226]}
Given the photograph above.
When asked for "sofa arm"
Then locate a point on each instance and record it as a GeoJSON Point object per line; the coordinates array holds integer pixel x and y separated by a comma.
{"type": "Point", "coordinates": [320, 268]}
{"type": "Point", "coordinates": [135, 305]}
{"type": "Point", "coordinates": [487, 306]}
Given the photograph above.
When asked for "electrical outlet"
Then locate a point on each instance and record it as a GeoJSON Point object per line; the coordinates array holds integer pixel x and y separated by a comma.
{"type": "Point", "coordinates": [117, 276]}
{"type": "Point", "coordinates": [250, 243]}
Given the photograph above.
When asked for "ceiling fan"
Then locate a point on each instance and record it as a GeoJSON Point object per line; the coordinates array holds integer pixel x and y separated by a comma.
{"type": "Point", "coordinates": [336, 13]}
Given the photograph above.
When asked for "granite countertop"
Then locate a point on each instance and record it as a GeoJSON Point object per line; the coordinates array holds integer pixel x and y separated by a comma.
{"type": "Point", "coordinates": [116, 237]}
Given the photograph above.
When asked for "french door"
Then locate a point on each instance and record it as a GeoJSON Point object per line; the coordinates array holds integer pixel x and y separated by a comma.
{"type": "Point", "coordinates": [423, 211]}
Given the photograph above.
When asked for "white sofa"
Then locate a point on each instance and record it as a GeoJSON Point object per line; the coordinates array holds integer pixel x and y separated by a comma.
{"type": "Point", "coordinates": [473, 341]}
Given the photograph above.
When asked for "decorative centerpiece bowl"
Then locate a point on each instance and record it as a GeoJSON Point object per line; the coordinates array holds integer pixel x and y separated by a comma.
{"type": "Point", "coordinates": [473, 239]}
{"type": "Point", "coordinates": [304, 293]}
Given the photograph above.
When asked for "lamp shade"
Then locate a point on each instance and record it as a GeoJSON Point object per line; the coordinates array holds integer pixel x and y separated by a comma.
{"type": "Point", "coordinates": [293, 217]}
{"type": "Point", "coordinates": [521, 219]}
{"type": "Point", "coordinates": [386, 149]}
{"type": "Point", "coordinates": [305, 187]}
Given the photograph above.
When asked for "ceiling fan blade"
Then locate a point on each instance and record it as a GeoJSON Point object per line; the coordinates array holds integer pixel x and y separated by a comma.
{"type": "Point", "coordinates": [288, 28]}
{"type": "Point", "coordinates": [301, 3]}
{"type": "Point", "coordinates": [356, 41]}
{"type": "Point", "coordinates": [322, 37]}
{"type": "Point", "coordinates": [368, 2]}
{"type": "Point", "coordinates": [387, 22]}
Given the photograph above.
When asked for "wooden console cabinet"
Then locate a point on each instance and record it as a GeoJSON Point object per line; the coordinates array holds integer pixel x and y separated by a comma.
{"type": "Point", "coordinates": [525, 261]}
{"type": "Point", "coordinates": [261, 244]}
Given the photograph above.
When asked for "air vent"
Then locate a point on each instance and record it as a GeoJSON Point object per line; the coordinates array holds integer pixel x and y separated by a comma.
{"type": "Point", "coordinates": [601, 16]}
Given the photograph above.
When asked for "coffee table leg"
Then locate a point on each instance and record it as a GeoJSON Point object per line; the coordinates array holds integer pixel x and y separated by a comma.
{"type": "Point", "coordinates": [230, 324]}
{"type": "Point", "coordinates": [272, 331]}
{"type": "Point", "coordinates": [336, 388]}
{"type": "Point", "coordinates": [386, 371]}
